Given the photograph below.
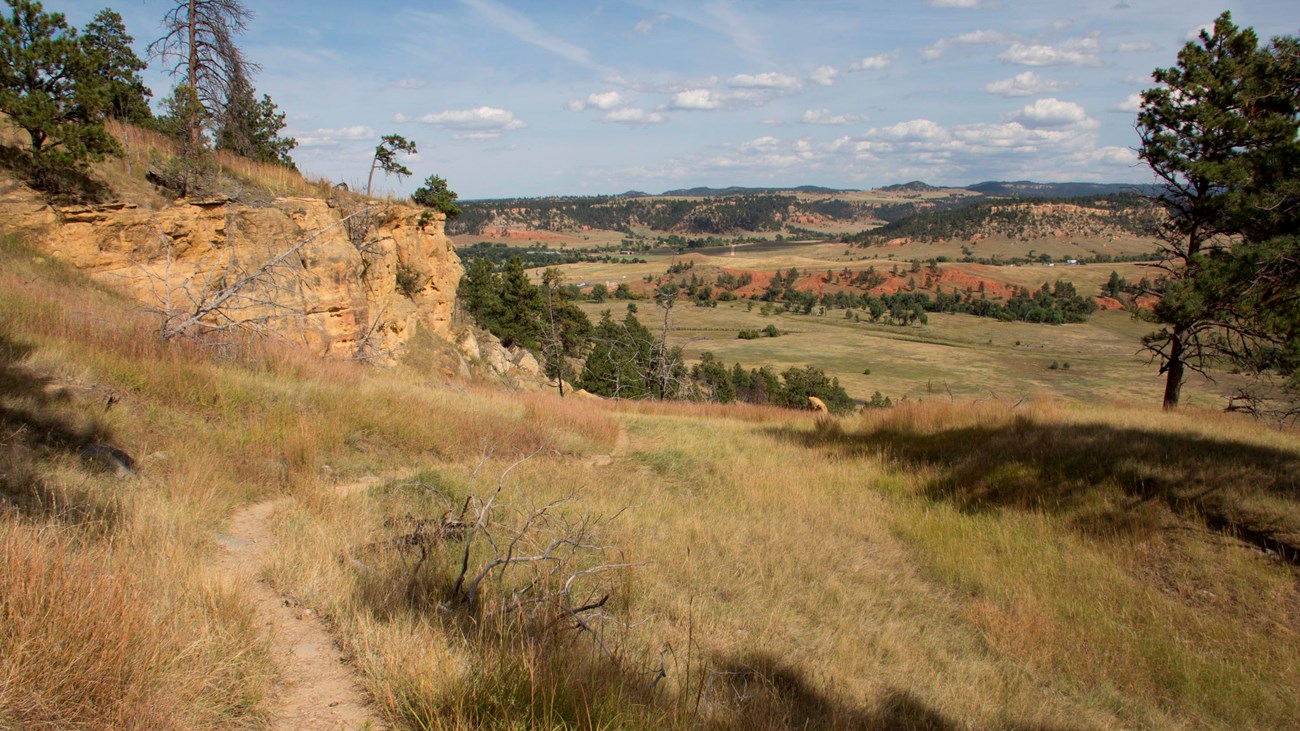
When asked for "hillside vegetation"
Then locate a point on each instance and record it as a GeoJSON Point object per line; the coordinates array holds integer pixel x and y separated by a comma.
{"type": "Point", "coordinates": [732, 567]}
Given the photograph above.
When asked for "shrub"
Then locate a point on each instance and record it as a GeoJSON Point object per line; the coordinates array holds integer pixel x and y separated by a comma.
{"type": "Point", "coordinates": [408, 280]}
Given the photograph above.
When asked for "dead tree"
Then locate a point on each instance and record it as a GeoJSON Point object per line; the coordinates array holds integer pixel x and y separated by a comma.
{"type": "Point", "coordinates": [233, 296]}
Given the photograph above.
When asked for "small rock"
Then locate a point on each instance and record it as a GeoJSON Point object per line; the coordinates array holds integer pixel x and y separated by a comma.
{"type": "Point", "coordinates": [108, 457]}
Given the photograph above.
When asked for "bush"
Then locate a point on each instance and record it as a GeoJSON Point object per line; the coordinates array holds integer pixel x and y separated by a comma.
{"type": "Point", "coordinates": [771, 331]}
{"type": "Point", "coordinates": [749, 335]}
{"type": "Point", "coordinates": [408, 280]}
{"type": "Point", "coordinates": [879, 401]}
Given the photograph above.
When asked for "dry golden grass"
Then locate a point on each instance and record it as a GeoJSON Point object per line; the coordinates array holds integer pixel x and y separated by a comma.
{"type": "Point", "coordinates": [951, 564]}
{"type": "Point", "coordinates": [143, 147]}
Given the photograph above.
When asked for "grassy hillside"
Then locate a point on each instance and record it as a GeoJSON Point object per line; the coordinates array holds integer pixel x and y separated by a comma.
{"type": "Point", "coordinates": [949, 564]}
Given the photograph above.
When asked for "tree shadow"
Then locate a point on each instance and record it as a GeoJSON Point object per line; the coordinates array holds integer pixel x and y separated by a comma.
{"type": "Point", "coordinates": [759, 692]}
{"type": "Point", "coordinates": [1099, 476]}
{"type": "Point", "coordinates": [59, 184]}
{"type": "Point", "coordinates": [37, 425]}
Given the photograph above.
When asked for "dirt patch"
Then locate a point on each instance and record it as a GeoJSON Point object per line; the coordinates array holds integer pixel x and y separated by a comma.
{"type": "Point", "coordinates": [316, 689]}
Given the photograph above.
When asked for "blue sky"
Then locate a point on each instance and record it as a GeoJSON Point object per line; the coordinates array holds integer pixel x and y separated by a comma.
{"type": "Point", "coordinates": [511, 98]}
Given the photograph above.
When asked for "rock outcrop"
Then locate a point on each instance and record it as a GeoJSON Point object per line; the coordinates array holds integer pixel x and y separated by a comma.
{"type": "Point", "coordinates": [347, 288]}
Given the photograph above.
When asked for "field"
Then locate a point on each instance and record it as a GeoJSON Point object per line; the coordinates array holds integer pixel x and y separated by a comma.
{"type": "Point", "coordinates": [951, 356]}
{"type": "Point", "coordinates": [1060, 556]}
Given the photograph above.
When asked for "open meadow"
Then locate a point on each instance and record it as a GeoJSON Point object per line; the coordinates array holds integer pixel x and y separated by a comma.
{"type": "Point", "coordinates": [950, 356]}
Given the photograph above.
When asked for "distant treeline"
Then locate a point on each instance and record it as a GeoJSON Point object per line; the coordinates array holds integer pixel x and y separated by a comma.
{"type": "Point", "coordinates": [687, 216]}
{"type": "Point", "coordinates": [540, 256]}
{"type": "Point", "coordinates": [621, 358]}
{"type": "Point", "coordinates": [1024, 218]}
{"type": "Point", "coordinates": [1055, 304]}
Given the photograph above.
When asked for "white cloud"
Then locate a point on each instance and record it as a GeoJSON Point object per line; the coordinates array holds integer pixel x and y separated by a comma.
{"type": "Point", "coordinates": [646, 25]}
{"type": "Point", "coordinates": [695, 100]}
{"type": "Point", "coordinates": [1131, 104]}
{"type": "Point", "coordinates": [954, 3]}
{"type": "Point", "coordinates": [824, 75]}
{"type": "Point", "coordinates": [605, 101]}
{"type": "Point", "coordinates": [471, 124]}
{"type": "Point", "coordinates": [874, 63]}
{"type": "Point", "coordinates": [764, 143]}
{"type": "Point", "coordinates": [914, 130]}
{"type": "Point", "coordinates": [632, 115]}
{"type": "Point", "coordinates": [972, 38]}
{"type": "Point", "coordinates": [1071, 52]}
{"type": "Point", "coordinates": [824, 116]}
{"type": "Point", "coordinates": [769, 80]}
{"type": "Point", "coordinates": [410, 84]}
{"type": "Point", "coordinates": [1116, 155]}
{"type": "Point", "coordinates": [1053, 112]}
{"type": "Point", "coordinates": [1026, 84]}
{"type": "Point", "coordinates": [331, 137]}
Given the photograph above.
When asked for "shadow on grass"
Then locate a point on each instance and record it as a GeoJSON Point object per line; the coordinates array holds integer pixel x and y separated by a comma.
{"type": "Point", "coordinates": [58, 184]}
{"type": "Point", "coordinates": [1098, 476]}
{"type": "Point", "coordinates": [35, 427]}
{"type": "Point", "coordinates": [760, 693]}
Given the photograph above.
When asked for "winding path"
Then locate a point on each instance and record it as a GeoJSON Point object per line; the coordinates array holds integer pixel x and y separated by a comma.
{"type": "Point", "coordinates": [316, 690]}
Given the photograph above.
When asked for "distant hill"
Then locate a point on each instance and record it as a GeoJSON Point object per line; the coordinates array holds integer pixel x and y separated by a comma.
{"type": "Point", "coordinates": [1029, 189]}
{"type": "Point", "coordinates": [704, 192]}
{"type": "Point", "coordinates": [1024, 218]}
{"type": "Point", "coordinates": [916, 186]}
{"type": "Point", "coordinates": [806, 209]}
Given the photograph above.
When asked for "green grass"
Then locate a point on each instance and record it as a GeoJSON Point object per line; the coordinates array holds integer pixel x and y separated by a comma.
{"type": "Point", "coordinates": [959, 354]}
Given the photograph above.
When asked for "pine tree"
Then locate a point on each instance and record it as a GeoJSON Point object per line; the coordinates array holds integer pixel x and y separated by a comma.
{"type": "Point", "coordinates": [111, 59]}
{"type": "Point", "coordinates": [48, 89]}
{"type": "Point", "coordinates": [1220, 134]}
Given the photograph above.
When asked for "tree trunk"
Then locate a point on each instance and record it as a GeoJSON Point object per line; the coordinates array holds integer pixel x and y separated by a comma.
{"type": "Point", "coordinates": [1174, 370]}
{"type": "Point", "coordinates": [193, 20]}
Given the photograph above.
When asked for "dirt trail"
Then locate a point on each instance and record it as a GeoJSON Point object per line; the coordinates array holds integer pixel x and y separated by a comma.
{"type": "Point", "coordinates": [316, 690]}
{"type": "Point", "coordinates": [620, 449]}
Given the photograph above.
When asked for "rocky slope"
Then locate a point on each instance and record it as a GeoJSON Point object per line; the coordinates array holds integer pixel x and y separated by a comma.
{"type": "Point", "coordinates": [343, 289]}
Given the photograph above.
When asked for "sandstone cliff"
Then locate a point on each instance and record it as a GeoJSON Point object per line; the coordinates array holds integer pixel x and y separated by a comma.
{"type": "Point", "coordinates": [345, 290]}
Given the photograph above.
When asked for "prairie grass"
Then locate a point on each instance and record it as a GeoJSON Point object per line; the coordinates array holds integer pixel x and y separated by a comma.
{"type": "Point", "coordinates": [1030, 563]}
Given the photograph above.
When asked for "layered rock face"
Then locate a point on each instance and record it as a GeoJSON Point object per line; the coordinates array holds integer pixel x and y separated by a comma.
{"type": "Point", "coordinates": [343, 287]}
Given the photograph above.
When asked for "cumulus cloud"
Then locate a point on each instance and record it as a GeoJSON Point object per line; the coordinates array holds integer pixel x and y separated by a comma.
{"type": "Point", "coordinates": [332, 137]}
{"type": "Point", "coordinates": [1070, 52]}
{"type": "Point", "coordinates": [824, 75]}
{"type": "Point", "coordinates": [824, 116]}
{"type": "Point", "coordinates": [1131, 104]}
{"type": "Point", "coordinates": [769, 80]}
{"type": "Point", "coordinates": [1052, 112]}
{"type": "Point", "coordinates": [1026, 84]}
{"type": "Point", "coordinates": [632, 115]}
{"type": "Point", "coordinates": [472, 124]}
{"type": "Point", "coordinates": [972, 38]}
{"type": "Point", "coordinates": [604, 100]}
{"type": "Point", "coordinates": [1047, 140]}
{"type": "Point", "coordinates": [646, 25]}
{"type": "Point", "coordinates": [913, 130]}
{"type": "Point", "coordinates": [695, 100]}
{"type": "Point", "coordinates": [874, 63]}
